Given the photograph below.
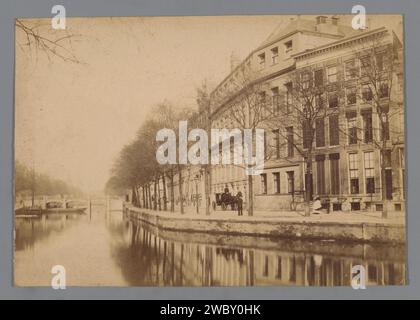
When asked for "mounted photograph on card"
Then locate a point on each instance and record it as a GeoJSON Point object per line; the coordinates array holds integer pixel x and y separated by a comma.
{"type": "Point", "coordinates": [210, 151]}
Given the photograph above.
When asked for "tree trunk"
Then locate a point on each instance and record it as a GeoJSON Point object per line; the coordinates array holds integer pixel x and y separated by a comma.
{"type": "Point", "coordinates": [147, 196]}
{"type": "Point", "coordinates": [250, 195]}
{"type": "Point", "coordinates": [172, 192]}
{"type": "Point", "coordinates": [149, 189]}
{"type": "Point", "coordinates": [165, 205]}
{"type": "Point", "coordinates": [154, 195]}
{"type": "Point", "coordinates": [144, 198]}
{"type": "Point", "coordinates": [308, 185]}
{"type": "Point", "coordinates": [138, 204]}
{"type": "Point", "coordinates": [158, 190]}
{"type": "Point", "coordinates": [207, 189]}
{"type": "Point", "coordinates": [133, 195]}
{"type": "Point", "coordinates": [383, 186]}
{"type": "Point", "coordinates": [181, 194]}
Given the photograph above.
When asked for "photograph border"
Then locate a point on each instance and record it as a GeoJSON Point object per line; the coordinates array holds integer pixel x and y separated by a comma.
{"type": "Point", "coordinates": [410, 10]}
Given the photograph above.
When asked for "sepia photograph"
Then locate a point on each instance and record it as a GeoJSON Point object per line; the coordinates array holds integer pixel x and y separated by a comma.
{"type": "Point", "coordinates": [210, 151]}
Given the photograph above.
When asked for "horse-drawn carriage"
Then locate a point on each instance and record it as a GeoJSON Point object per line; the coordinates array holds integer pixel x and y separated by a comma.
{"type": "Point", "coordinates": [225, 200]}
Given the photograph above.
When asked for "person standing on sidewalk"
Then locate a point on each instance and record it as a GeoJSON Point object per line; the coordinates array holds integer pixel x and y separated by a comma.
{"type": "Point", "coordinates": [239, 203]}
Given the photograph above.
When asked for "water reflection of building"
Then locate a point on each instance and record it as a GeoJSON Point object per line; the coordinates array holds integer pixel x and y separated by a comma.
{"type": "Point", "coordinates": [193, 264]}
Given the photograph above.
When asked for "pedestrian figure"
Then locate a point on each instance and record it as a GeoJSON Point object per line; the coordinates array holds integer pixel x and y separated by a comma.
{"type": "Point", "coordinates": [317, 206]}
{"type": "Point", "coordinates": [239, 203]}
{"type": "Point", "coordinates": [226, 197]}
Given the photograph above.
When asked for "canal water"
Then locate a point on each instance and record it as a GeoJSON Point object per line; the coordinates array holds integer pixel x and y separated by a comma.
{"type": "Point", "coordinates": [106, 249]}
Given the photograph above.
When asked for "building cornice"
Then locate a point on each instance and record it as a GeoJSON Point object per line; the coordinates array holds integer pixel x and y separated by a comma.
{"type": "Point", "coordinates": [339, 44]}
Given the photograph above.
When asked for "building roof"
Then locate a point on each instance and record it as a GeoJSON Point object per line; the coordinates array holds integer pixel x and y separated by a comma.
{"type": "Point", "coordinates": [295, 26]}
{"type": "Point", "coordinates": [353, 37]}
{"type": "Point", "coordinates": [305, 26]}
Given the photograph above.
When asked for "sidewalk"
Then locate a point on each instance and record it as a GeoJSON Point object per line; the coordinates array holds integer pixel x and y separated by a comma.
{"type": "Point", "coordinates": [394, 218]}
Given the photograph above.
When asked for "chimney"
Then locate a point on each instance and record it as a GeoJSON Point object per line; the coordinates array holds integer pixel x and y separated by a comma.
{"type": "Point", "coordinates": [327, 25]}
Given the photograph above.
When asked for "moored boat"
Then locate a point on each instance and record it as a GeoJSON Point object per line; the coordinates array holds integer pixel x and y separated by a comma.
{"type": "Point", "coordinates": [64, 210]}
{"type": "Point", "coordinates": [53, 207]}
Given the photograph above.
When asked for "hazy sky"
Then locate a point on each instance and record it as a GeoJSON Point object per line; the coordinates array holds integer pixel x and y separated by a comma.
{"type": "Point", "coordinates": [72, 119]}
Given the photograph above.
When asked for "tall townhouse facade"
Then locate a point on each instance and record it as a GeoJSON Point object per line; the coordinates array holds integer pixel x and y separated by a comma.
{"type": "Point", "coordinates": [348, 144]}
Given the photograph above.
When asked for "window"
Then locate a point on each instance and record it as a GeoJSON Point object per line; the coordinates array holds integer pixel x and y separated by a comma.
{"type": "Point", "coordinates": [351, 94]}
{"type": "Point", "coordinates": [276, 137]}
{"type": "Point", "coordinates": [320, 172]}
{"type": "Point", "coordinates": [352, 129]}
{"type": "Point", "coordinates": [332, 74]}
{"type": "Point", "coordinates": [333, 100]}
{"type": "Point", "coordinates": [265, 269]}
{"type": "Point", "coordinates": [387, 158]}
{"type": "Point", "coordinates": [262, 97]}
{"type": "Point", "coordinates": [261, 60]}
{"type": "Point", "coordinates": [381, 61]}
{"type": "Point", "coordinates": [262, 102]}
{"type": "Point", "coordinates": [288, 46]}
{"type": "Point", "coordinates": [307, 134]}
{"type": "Point", "coordinates": [276, 179]}
{"type": "Point", "coordinates": [401, 157]}
{"type": "Point", "coordinates": [354, 173]}
{"type": "Point", "coordinates": [369, 172]}
{"type": "Point", "coordinates": [306, 80]}
{"type": "Point", "coordinates": [335, 173]}
{"type": "Point", "coordinates": [365, 65]}
{"type": "Point", "coordinates": [278, 276]}
{"type": "Point", "coordinates": [351, 69]}
{"type": "Point", "coordinates": [289, 100]}
{"type": "Point", "coordinates": [291, 182]}
{"type": "Point", "coordinates": [263, 183]}
{"type": "Point", "coordinates": [319, 77]}
{"type": "Point", "coordinates": [355, 206]}
{"type": "Point", "coordinates": [320, 132]}
{"type": "Point", "coordinates": [290, 142]}
{"type": "Point", "coordinates": [366, 93]}
{"type": "Point", "coordinates": [319, 101]}
{"type": "Point", "coordinates": [367, 127]}
{"type": "Point", "coordinates": [334, 130]}
{"type": "Point", "coordinates": [275, 55]}
{"type": "Point", "coordinates": [276, 100]}
{"type": "Point", "coordinates": [383, 89]}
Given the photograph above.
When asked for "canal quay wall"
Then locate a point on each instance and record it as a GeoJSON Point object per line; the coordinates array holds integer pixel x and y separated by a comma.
{"type": "Point", "coordinates": [303, 228]}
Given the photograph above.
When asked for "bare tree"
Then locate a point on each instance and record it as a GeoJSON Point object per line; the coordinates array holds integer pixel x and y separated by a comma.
{"type": "Point", "coordinates": [203, 121]}
{"type": "Point", "coordinates": [38, 36]}
{"type": "Point", "coordinates": [380, 65]}
{"type": "Point", "coordinates": [245, 106]}
{"type": "Point", "coordinates": [298, 115]}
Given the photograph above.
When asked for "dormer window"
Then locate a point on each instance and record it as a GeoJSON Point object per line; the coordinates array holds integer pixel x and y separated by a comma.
{"type": "Point", "coordinates": [275, 55]}
{"type": "Point", "coordinates": [261, 60]}
{"type": "Point", "coordinates": [288, 46]}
